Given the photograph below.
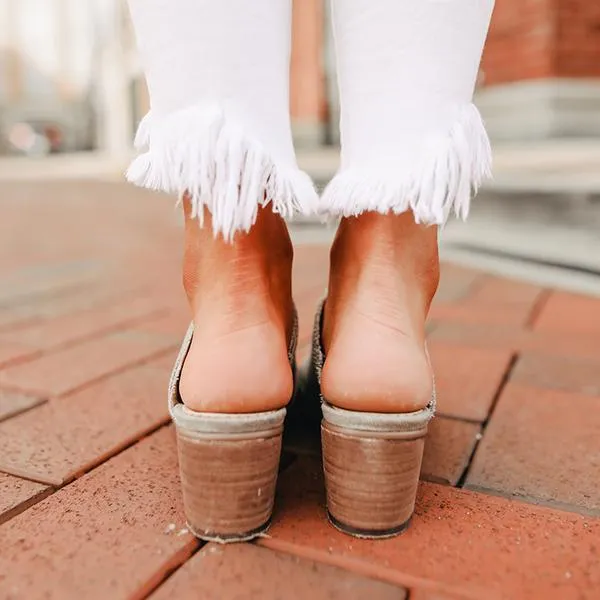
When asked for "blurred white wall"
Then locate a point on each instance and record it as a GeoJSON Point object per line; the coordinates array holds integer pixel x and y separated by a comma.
{"type": "Point", "coordinates": [70, 57]}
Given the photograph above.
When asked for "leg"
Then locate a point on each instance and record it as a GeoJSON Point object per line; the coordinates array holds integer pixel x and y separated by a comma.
{"type": "Point", "coordinates": [218, 135]}
{"type": "Point", "coordinates": [413, 147]}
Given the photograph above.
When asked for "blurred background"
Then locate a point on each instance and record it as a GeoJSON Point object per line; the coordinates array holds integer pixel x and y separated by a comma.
{"type": "Point", "coordinates": [72, 93]}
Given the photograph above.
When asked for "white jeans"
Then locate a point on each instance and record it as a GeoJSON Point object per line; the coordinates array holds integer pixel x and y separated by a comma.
{"type": "Point", "coordinates": [219, 127]}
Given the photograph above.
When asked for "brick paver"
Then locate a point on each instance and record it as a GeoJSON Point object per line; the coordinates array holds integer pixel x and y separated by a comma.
{"type": "Point", "coordinates": [569, 313]}
{"type": "Point", "coordinates": [248, 571]}
{"type": "Point", "coordinates": [13, 403]}
{"type": "Point", "coordinates": [173, 324]}
{"type": "Point", "coordinates": [485, 335]}
{"type": "Point", "coordinates": [11, 352]}
{"type": "Point", "coordinates": [66, 370]}
{"type": "Point", "coordinates": [468, 544]}
{"type": "Point", "coordinates": [89, 495]}
{"type": "Point", "coordinates": [455, 284]}
{"type": "Point", "coordinates": [115, 533]}
{"type": "Point", "coordinates": [80, 325]}
{"type": "Point", "coordinates": [542, 444]}
{"type": "Point", "coordinates": [421, 594]}
{"type": "Point", "coordinates": [559, 372]}
{"type": "Point", "coordinates": [16, 494]}
{"type": "Point", "coordinates": [48, 278]}
{"type": "Point", "coordinates": [497, 293]}
{"type": "Point", "coordinates": [448, 449]}
{"type": "Point", "coordinates": [37, 307]}
{"type": "Point", "coordinates": [67, 436]}
{"type": "Point", "coordinates": [492, 301]}
{"type": "Point", "coordinates": [467, 378]}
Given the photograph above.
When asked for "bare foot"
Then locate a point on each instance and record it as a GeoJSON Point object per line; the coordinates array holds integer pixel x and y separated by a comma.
{"type": "Point", "coordinates": [384, 274]}
{"type": "Point", "coordinates": [241, 302]}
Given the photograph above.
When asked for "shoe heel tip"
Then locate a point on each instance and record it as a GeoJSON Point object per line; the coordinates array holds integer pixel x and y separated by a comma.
{"type": "Point", "coordinates": [369, 534]}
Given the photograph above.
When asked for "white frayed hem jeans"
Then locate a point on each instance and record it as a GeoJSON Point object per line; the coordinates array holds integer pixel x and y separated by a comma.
{"type": "Point", "coordinates": [219, 127]}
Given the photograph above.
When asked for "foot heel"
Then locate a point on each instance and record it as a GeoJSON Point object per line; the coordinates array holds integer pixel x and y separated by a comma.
{"type": "Point", "coordinates": [228, 466]}
{"type": "Point", "coordinates": [372, 464]}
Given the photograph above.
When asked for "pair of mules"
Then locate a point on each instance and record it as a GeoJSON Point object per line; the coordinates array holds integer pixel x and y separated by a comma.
{"type": "Point", "coordinates": [229, 462]}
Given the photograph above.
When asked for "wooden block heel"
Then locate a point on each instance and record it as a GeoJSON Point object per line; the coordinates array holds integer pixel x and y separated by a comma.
{"type": "Point", "coordinates": [228, 462]}
{"type": "Point", "coordinates": [371, 464]}
{"type": "Point", "coordinates": [228, 466]}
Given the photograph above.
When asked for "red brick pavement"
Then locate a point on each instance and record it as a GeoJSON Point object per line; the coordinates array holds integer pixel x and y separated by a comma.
{"type": "Point", "coordinates": [90, 316]}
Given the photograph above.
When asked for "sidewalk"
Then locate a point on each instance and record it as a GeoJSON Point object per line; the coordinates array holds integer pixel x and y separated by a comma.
{"type": "Point", "coordinates": [537, 219]}
{"type": "Point", "coordinates": [91, 314]}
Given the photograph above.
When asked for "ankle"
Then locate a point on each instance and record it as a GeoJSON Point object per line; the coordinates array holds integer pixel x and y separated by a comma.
{"type": "Point", "coordinates": [249, 279]}
{"type": "Point", "coordinates": [381, 253]}
{"type": "Point", "coordinates": [385, 267]}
